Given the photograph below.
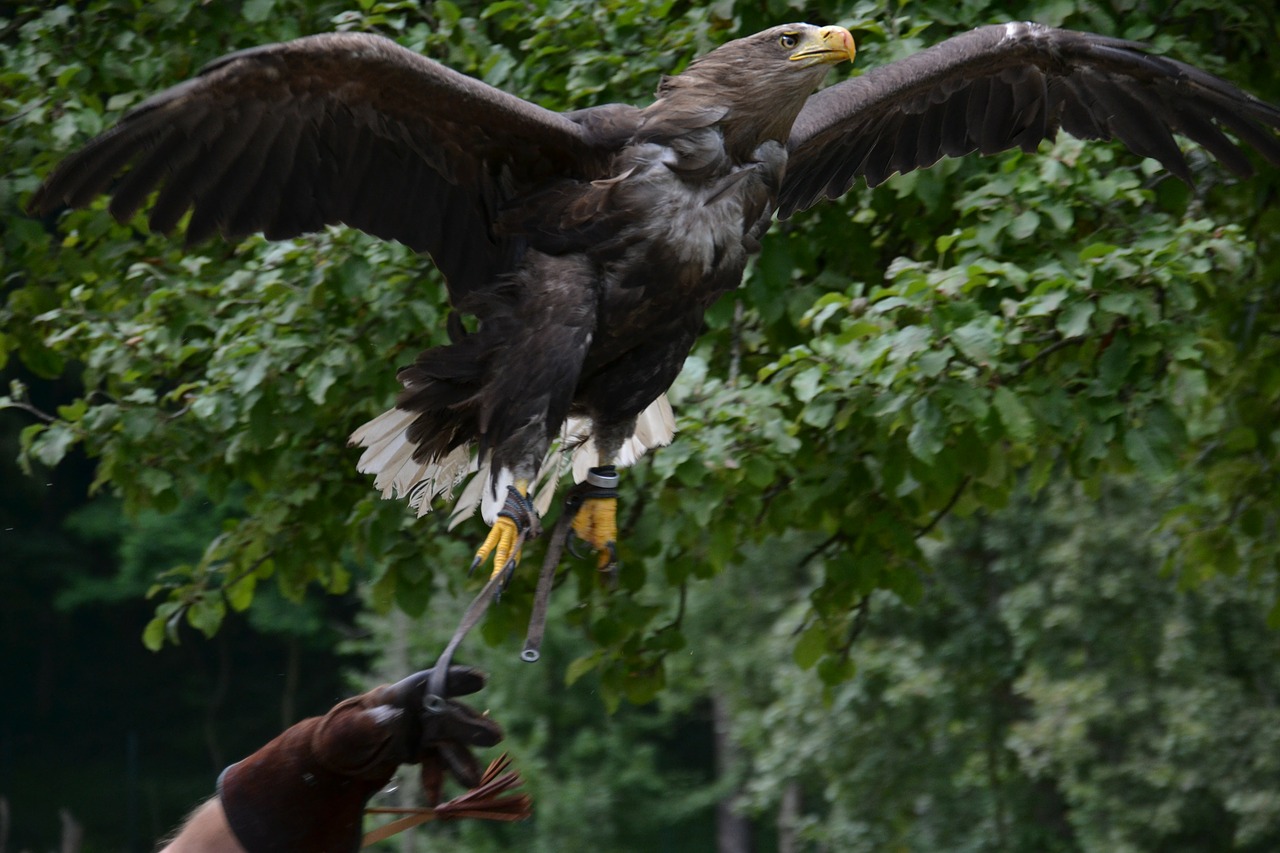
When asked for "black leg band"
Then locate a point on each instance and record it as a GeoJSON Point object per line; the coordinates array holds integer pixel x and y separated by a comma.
{"type": "Point", "coordinates": [518, 508]}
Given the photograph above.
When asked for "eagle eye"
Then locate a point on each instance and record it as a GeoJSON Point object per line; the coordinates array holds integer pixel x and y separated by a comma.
{"type": "Point", "coordinates": [787, 40]}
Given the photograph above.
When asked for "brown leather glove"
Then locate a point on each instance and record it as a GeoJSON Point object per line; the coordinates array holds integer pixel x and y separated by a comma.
{"type": "Point", "coordinates": [305, 791]}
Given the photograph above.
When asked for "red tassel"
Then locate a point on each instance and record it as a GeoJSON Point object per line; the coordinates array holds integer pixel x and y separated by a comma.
{"type": "Point", "coordinates": [483, 802]}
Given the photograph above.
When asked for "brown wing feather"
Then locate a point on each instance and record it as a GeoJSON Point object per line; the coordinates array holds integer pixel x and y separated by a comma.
{"type": "Point", "coordinates": [338, 128]}
{"type": "Point", "coordinates": [1013, 85]}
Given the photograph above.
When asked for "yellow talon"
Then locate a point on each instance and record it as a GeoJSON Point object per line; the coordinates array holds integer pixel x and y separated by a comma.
{"type": "Point", "coordinates": [505, 540]}
{"type": "Point", "coordinates": [597, 525]}
{"type": "Point", "coordinates": [500, 541]}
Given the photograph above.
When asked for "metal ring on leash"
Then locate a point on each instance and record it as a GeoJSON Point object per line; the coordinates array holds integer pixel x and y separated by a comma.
{"type": "Point", "coordinates": [546, 578]}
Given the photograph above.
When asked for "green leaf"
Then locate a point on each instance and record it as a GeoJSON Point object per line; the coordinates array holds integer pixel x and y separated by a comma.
{"type": "Point", "coordinates": [1013, 414]}
{"type": "Point", "coordinates": [1114, 364]}
{"type": "Point", "coordinates": [153, 635]}
{"type": "Point", "coordinates": [52, 443]}
{"type": "Point", "coordinates": [1094, 251]}
{"type": "Point", "coordinates": [240, 594]}
{"type": "Point", "coordinates": [251, 377]}
{"type": "Point", "coordinates": [1074, 320]}
{"type": "Point", "coordinates": [643, 685]}
{"type": "Point", "coordinates": [319, 381]}
{"type": "Point", "coordinates": [807, 383]}
{"type": "Point", "coordinates": [1024, 225]}
{"type": "Point", "coordinates": [1273, 616]}
{"type": "Point", "coordinates": [976, 340]}
{"type": "Point", "coordinates": [581, 666]}
{"type": "Point", "coordinates": [206, 614]}
{"type": "Point", "coordinates": [1151, 457]}
{"type": "Point", "coordinates": [1240, 439]}
{"type": "Point", "coordinates": [257, 11]}
{"type": "Point", "coordinates": [928, 432]}
{"type": "Point", "coordinates": [810, 646]}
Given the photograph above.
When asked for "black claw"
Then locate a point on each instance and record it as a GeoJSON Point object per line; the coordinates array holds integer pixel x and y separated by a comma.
{"type": "Point", "coordinates": [475, 564]}
{"type": "Point", "coordinates": [610, 569]}
{"type": "Point", "coordinates": [573, 543]}
{"type": "Point", "coordinates": [504, 578]}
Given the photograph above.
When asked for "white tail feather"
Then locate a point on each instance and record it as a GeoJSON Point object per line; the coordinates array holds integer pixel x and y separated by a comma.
{"type": "Point", "coordinates": [389, 456]}
{"type": "Point", "coordinates": [469, 501]}
{"type": "Point", "coordinates": [655, 427]}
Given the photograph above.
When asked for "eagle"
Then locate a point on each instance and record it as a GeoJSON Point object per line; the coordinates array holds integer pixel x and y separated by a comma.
{"type": "Point", "coordinates": [584, 247]}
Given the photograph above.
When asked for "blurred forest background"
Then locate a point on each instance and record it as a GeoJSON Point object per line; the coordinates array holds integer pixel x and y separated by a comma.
{"type": "Point", "coordinates": [968, 540]}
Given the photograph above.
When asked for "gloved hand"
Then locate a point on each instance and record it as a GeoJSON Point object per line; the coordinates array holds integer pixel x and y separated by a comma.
{"type": "Point", "coordinates": [446, 729]}
{"type": "Point", "coordinates": [305, 791]}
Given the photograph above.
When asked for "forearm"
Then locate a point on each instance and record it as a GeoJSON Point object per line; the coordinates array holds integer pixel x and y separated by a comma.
{"type": "Point", "coordinates": [205, 831]}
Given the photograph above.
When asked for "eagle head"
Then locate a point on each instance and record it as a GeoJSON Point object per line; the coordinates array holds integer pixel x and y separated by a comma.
{"type": "Point", "coordinates": [759, 83]}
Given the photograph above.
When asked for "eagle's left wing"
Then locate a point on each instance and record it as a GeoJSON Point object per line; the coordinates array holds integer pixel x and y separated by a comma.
{"type": "Point", "coordinates": [1013, 85]}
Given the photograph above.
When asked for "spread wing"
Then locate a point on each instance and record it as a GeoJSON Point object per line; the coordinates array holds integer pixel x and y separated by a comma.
{"type": "Point", "coordinates": [338, 128]}
{"type": "Point", "coordinates": [1013, 85]}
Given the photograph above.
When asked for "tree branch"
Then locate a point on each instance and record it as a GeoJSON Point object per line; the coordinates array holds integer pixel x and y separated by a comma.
{"type": "Point", "coordinates": [1045, 353]}
{"type": "Point", "coordinates": [951, 502]}
{"type": "Point", "coordinates": [861, 613]}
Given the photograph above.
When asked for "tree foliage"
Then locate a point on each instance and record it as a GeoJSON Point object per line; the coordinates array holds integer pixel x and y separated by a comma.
{"type": "Point", "coordinates": [1050, 691]}
{"type": "Point", "coordinates": [901, 356]}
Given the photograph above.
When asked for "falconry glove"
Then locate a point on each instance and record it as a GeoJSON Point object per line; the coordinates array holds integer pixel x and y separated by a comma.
{"type": "Point", "coordinates": [305, 791]}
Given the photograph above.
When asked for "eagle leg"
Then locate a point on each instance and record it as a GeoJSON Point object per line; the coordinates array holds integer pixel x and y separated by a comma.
{"type": "Point", "coordinates": [595, 519]}
{"type": "Point", "coordinates": [517, 523]}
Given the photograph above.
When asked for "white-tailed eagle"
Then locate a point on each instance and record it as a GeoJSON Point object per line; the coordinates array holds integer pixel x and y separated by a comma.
{"type": "Point", "coordinates": [588, 244]}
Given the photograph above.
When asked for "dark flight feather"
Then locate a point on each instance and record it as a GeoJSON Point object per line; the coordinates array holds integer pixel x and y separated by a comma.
{"type": "Point", "coordinates": [1091, 86]}
{"type": "Point", "coordinates": [224, 143]}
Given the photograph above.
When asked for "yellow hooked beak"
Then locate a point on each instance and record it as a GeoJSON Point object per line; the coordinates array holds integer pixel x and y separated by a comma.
{"type": "Point", "coordinates": [828, 46]}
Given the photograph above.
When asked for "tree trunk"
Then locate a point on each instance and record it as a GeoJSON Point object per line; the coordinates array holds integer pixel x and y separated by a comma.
{"type": "Point", "coordinates": [131, 791]}
{"type": "Point", "coordinates": [733, 830]}
{"type": "Point", "coordinates": [217, 695]}
{"type": "Point", "coordinates": [289, 694]}
{"type": "Point", "coordinates": [72, 833]}
{"type": "Point", "coordinates": [789, 819]}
